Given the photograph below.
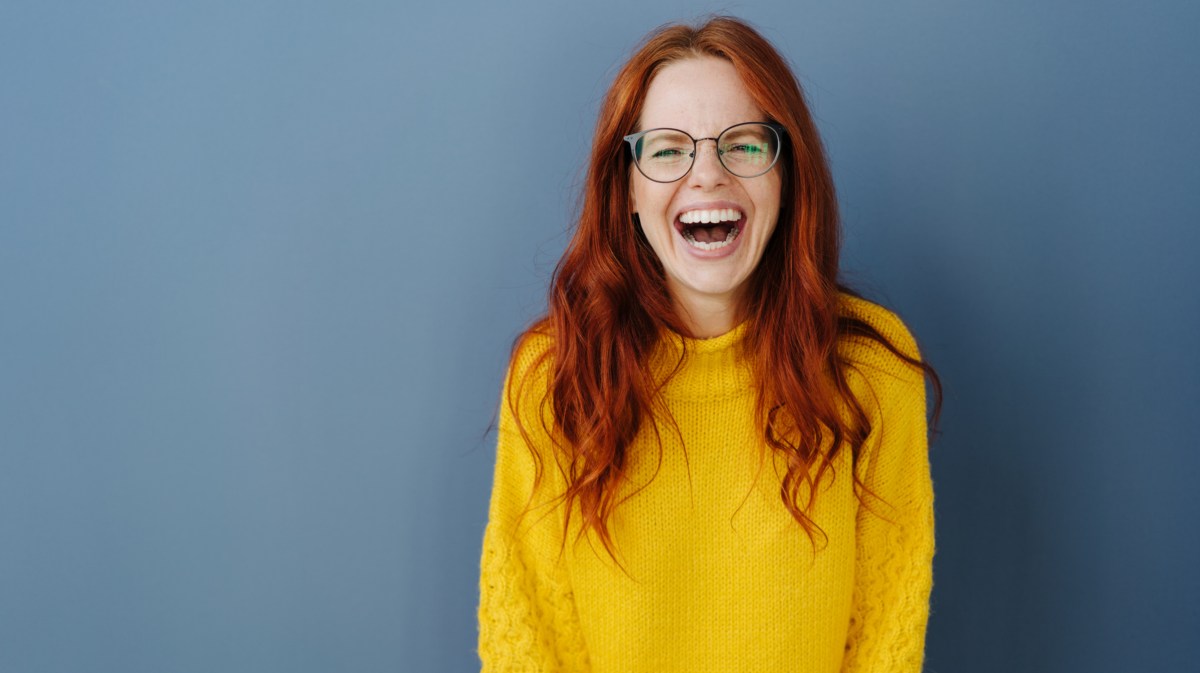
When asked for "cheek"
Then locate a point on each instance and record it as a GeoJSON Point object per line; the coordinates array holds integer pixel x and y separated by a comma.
{"type": "Point", "coordinates": [651, 199]}
{"type": "Point", "coordinates": [770, 200]}
{"type": "Point", "coordinates": [643, 196]}
{"type": "Point", "coordinates": [641, 199]}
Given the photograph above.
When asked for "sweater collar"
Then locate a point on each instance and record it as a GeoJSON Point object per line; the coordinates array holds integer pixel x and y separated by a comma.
{"type": "Point", "coordinates": [704, 369]}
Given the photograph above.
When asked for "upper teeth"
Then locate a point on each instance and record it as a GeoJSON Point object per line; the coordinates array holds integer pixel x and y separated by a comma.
{"type": "Point", "coordinates": [710, 216]}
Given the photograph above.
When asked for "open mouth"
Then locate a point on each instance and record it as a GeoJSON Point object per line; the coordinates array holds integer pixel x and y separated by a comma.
{"type": "Point", "coordinates": [710, 229]}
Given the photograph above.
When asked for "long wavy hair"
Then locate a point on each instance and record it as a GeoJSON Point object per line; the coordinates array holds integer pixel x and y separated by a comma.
{"type": "Point", "coordinates": [608, 300]}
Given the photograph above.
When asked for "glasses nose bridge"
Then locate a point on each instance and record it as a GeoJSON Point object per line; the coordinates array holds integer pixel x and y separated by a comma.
{"type": "Point", "coordinates": [696, 143]}
{"type": "Point", "coordinates": [716, 150]}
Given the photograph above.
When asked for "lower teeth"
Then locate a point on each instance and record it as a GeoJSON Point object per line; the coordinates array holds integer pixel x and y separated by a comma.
{"type": "Point", "coordinates": [715, 245]}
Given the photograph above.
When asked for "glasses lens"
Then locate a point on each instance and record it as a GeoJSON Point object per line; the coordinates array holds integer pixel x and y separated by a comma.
{"type": "Point", "coordinates": [749, 150]}
{"type": "Point", "coordinates": [664, 155]}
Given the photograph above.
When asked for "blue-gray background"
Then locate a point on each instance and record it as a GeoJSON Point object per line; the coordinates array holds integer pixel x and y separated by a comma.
{"type": "Point", "coordinates": [261, 264]}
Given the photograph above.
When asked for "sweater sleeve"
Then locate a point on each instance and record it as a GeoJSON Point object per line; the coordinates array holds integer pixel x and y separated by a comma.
{"type": "Point", "coordinates": [527, 617]}
{"type": "Point", "coordinates": [895, 530]}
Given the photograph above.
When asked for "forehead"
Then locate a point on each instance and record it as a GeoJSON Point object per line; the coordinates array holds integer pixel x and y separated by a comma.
{"type": "Point", "coordinates": [702, 96]}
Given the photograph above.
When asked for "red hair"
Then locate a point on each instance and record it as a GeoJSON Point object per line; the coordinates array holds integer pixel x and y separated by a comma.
{"type": "Point", "coordinates": [609, 302]}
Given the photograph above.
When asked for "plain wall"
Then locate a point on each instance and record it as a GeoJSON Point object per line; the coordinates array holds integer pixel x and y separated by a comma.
{"type": "Point", "coordinates": [261, 264]}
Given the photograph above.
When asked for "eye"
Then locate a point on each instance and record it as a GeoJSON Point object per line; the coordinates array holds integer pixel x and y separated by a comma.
{"type": "Point", "coordinates": [665, 146]}
{"type": "Point", "coordinates": [668, 153]}
{"type": "Point", "coordinates": [746, 148]}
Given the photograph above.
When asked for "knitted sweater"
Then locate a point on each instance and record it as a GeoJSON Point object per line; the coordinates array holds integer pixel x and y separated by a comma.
{"type": "Point", "coordinates": [718, 577]}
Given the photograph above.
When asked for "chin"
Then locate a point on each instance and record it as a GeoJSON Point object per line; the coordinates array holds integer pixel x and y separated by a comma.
{"type": "Point", "coordinates": [709, 285]}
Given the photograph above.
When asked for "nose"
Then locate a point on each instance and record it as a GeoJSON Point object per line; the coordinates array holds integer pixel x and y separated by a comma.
{"type": "Point", "coordinates": [707, 170]}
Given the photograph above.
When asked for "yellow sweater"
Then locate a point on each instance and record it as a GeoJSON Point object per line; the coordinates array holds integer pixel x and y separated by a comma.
{"type": "Point", "coordinates": [721, 578]}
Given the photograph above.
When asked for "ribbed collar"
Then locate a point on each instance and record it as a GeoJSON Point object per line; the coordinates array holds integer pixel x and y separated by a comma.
{"type": "Point", "coordinates": [711, 369]}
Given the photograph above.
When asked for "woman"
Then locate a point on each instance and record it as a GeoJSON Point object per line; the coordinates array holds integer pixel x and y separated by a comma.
{"type": "Point", "coordinates": [711, 457]}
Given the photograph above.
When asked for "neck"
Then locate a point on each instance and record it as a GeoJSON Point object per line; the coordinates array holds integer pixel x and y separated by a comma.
{"type": "Point", "coordinates": [707, 316]}
{"type": "Point", "coordinates": [702, 369]}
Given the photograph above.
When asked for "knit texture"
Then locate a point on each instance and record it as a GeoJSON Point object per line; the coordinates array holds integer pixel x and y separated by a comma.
{"type": "Point", "coordinates": [717, 576]}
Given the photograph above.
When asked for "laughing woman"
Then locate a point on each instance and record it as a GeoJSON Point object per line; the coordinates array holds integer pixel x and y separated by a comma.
{"type": "Point", "coordinates": [712, 457]}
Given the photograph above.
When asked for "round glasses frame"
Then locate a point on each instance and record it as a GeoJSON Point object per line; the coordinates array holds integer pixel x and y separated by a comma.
{"type": "Point", "coordinates": [634, 138]}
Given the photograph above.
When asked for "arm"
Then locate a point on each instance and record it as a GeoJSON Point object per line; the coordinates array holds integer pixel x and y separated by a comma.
{"type": "Point", "coordinates": [527, 618]}
{"type": "Point", "coordinates": [895, 531]}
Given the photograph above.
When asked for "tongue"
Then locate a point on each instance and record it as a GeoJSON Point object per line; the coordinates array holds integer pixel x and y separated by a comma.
{"type": "Point", "coordinates": [712, 233]}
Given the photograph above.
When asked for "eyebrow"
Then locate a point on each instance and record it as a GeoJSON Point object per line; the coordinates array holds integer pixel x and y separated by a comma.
{"type": "Point", "coordinates": [638, 128]}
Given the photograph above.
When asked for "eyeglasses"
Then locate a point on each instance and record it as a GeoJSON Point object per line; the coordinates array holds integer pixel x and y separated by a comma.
{"type": "Point", "coordinates": [746, 150]}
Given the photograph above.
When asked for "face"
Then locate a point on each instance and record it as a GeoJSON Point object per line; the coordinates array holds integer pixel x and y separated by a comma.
{"type": "Point", "coordinates": [705, 265]}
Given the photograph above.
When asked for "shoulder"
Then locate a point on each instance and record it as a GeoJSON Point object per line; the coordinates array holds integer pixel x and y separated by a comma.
{"type": "Point", "coordinates": [886, 376]}
{"type": "Point", "coordinates": [873, 347]}
{"type": "Point", "coordinates": [524, 441]}
{"type": "Point", "coordinates": [525, 393]}
{"type": "Point", "coordinates": [852, 310]}
{"type": "Point", "coordinates": [532, 356]}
